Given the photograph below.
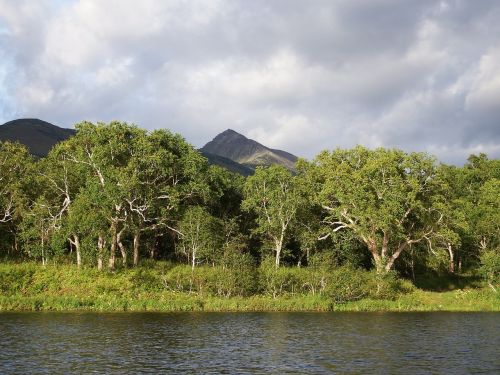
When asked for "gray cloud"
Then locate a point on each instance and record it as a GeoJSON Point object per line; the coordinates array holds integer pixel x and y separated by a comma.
{"type": "Point", "coordinates": [301, 76]}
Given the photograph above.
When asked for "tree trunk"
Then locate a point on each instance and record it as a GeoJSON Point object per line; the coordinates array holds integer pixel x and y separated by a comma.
{"type": "Point", "coordinates": [76, 243]}
{"type": "Point", "coordinates": [137, 239]}
{"type": "Point", "coordinates": [492, 287]}
{"type": "Point", "coordinates": [112, 250]}
{"type": "Point", "coordinates": [279, 245]}
{"type": "Point", "coordinates": [451, 266]}
{"type": "Point", "coordinates": [44, 262]}
{"type": "Point", "coordinates": [122, 248]}
{"type": "Point", "coordinates": [100, 248]}
{"type": "Point", "coordinates": [377, 259]}
{"type": "Point", "coordinates": [396, 255]}
{"type": "Point", "coordinates": [152, 252]}
{"type": "Point", "coordinates": [193, 259]}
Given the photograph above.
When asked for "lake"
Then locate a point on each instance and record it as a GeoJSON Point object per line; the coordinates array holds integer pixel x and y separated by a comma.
{"type": "Point", "coordinates": [253, 343]}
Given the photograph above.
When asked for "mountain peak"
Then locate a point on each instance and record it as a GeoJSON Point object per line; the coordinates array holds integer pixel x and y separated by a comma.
{"type": "Point", "coordinates": [229, 134]}
{"type": "Point", "coordinates": [240, 149]}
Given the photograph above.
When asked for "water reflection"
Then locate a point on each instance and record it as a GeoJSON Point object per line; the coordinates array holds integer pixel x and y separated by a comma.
{"type": "Point", "coordinates": [257, 343]}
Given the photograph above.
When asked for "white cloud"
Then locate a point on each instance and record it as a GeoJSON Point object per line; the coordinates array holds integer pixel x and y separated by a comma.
{"type": "Point", "coordinates": [484, 92]}
{"type": "Point", "coordinates": [297, 76]}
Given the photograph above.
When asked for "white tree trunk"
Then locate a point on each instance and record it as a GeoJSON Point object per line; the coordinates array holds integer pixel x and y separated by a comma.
{"type": "Point", "coordinates": [100, 249]}
{"type": "Point", "coordinates": [122, 248]}
{"type": "Point", "coordinates": [137, 239]}
{"type": "Point", "coordinates": [452, 259]}
{"type": "Point", "coordinates": [76, 242]}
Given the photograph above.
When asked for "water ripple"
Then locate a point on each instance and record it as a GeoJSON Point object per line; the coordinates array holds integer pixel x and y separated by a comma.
{"type": "Point", "coordinates": [250, 343]}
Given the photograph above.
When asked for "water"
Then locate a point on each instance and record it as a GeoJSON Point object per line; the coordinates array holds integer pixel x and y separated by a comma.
{"type": "Point", "coordinates": [254, 343]}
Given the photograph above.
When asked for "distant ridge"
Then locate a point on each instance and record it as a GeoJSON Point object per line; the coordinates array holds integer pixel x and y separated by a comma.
{"type": "Point", "coordinates": [229, 149]}
{"type": "Point", "coordinates": [39, 136]}
{"type": "Point", "coordinates": [238, 148]}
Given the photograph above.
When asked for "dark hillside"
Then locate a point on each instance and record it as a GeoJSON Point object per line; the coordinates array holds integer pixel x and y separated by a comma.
{"type": "Point", "coordinates": [39, 136]}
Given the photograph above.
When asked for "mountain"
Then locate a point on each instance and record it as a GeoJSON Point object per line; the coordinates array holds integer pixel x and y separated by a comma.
{"type": "Point", "coordinates": [238, 148]}
{"type": "Point", "coordinates": [233, 166]}
{"type": "Point", "coordinates": [229, 149]}
{"type": "Point", "coordinates": [39, 136]}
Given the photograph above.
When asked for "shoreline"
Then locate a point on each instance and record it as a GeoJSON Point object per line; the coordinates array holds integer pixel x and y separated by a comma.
{"type": "Point", "coordinates": [29, 287]}
{"type": "Point", "coordinates": [478, 301]}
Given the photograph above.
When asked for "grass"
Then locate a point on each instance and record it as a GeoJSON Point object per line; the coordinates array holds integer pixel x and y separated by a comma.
{"type": "Point", "coordinates": [31, 287]}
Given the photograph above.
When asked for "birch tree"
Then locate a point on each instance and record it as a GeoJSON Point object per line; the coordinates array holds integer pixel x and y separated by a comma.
{"type": "Point", "coordinates": [103, 152]}
{"type": "Point", "coordinates": [274, 195]}
{"type": "Point", "coordinates": [15, 175]}
{"type": "Point", "coordinates": [198, 236]}
{"type": "Point", "coordinates": [163, 173]}
{"type": "Point", "coordinates": [385, 197]}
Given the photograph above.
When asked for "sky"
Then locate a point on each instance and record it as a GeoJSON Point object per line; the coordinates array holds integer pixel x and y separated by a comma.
{"type": "Point", "coordinates": [299, 75]}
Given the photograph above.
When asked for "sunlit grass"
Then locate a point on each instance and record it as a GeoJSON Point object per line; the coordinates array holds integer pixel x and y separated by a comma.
{"type": "Point", "coordinates": [31, 287]}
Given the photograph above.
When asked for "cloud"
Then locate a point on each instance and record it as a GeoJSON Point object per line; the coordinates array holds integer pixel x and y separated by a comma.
{"type": "Point", "coordinates": [300, 76]}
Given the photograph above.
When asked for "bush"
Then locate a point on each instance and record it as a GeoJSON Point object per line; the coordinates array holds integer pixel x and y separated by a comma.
{"type": "Point", "coordinates": [16, 278]}
{"type": "Point", "coordinates": [347, 284]}
{"type": "Point", "coordinates": [179, 279]}
{"type": "Point", "coordinates": [217, 281]}
{"type": "Point", "coordinates": [316, 276]}
{"type": "Point", "coordinates": [387, 285]}
{"type": "Point", "coordinates": [279, 281]}
{"type": "Point", "coordinates": [490, 267]}
{"type": "Point", "coordinates": [238, 276]}
{"type": "Point", "coordinates": [146, 279]}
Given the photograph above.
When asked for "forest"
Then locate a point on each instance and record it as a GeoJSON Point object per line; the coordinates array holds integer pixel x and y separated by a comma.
{"type": "Point", "coordinates": [355, 223]}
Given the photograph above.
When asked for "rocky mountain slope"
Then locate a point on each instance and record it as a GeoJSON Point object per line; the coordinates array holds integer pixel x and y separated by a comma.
{"type": "Point", "coordinates": [238, 148]}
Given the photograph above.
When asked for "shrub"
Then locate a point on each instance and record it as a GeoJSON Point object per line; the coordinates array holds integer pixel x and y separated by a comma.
{"type": "Point", "coordinates": [146, 279]}
{"type": "Point", "coordinates": [347, 284]}
{"type": "Point", "coordinates": [16, 278]}
{"type": "Point", "coordinates": [179, 279]}
{"type": "Point", "coordinates": [490, 267]}
{"type": "Point", "coordinates": [218, 281]}
{"type": "Point", "coordinates": [316, 276]}
{"type": "Point", "coordinates": [387, 285]}
{"type": "Point", "coordinates": [237, 277]}
{"type": "Point", "coordinates": [279, 281]}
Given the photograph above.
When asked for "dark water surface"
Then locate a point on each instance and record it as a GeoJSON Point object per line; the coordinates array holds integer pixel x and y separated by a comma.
{"type": "Point", "coordinates": [255, 343]}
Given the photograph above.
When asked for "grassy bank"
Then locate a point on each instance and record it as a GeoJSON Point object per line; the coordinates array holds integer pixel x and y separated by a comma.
{"type": "Point", "coordinates": [29, 287]}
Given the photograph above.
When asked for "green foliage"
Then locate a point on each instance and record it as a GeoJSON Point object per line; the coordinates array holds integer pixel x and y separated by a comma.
{"type": "Point", "coordinates": [385, 197]}
{"type": "Point", "coordinates": [200, 236]}
{"type": "Point", "coordinates": [114, 190]}
{"type": "Point", "coordinates": [16, 187]}
{"type": "Point", "coordinates": [274, 195]}
{"type": "Point", "coordinates": [490, 267]}
{"type": "Point", "coordinates": [279, 281]}
{"type": "Point", "coordinates": [29, 286]}
{"type": "Point", "coordinates": [16, 279]}
{"type": "Point", "coordinates": [388, 286]}
{"type": "Point", "coordinates": [348, 284]}
{"type": "Point", "coordinates": [212, 281]}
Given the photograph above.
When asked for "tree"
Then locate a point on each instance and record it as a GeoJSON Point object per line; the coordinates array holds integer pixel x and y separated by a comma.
{"type": "Point", "coordinates": [487, 223]}
{"type": "Point", "coordinates": [450, 236]}
{"type": "Point", "coordinates": [59, 184]}
{"type": "Point", "coordinates": [103, 152]}
{"type": "Point", "coordinates": [199, 235]}
{"type": "Point", "coordinates": [134, 182]}
{"type": "Point", "coordinates": [16, 167]}
{"type": "Point", "coordinates": [385, 197]}
{"type": "Point", "coordinates": [273, 194]}
{"type": "Point", "coordinates": [163, 172]}
{"type": "Point", "coordinates": [480, 197]}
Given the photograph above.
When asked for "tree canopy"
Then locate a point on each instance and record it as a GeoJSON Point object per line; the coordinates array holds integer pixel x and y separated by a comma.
{"type": "Point", "coordinates": [114, 194]}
